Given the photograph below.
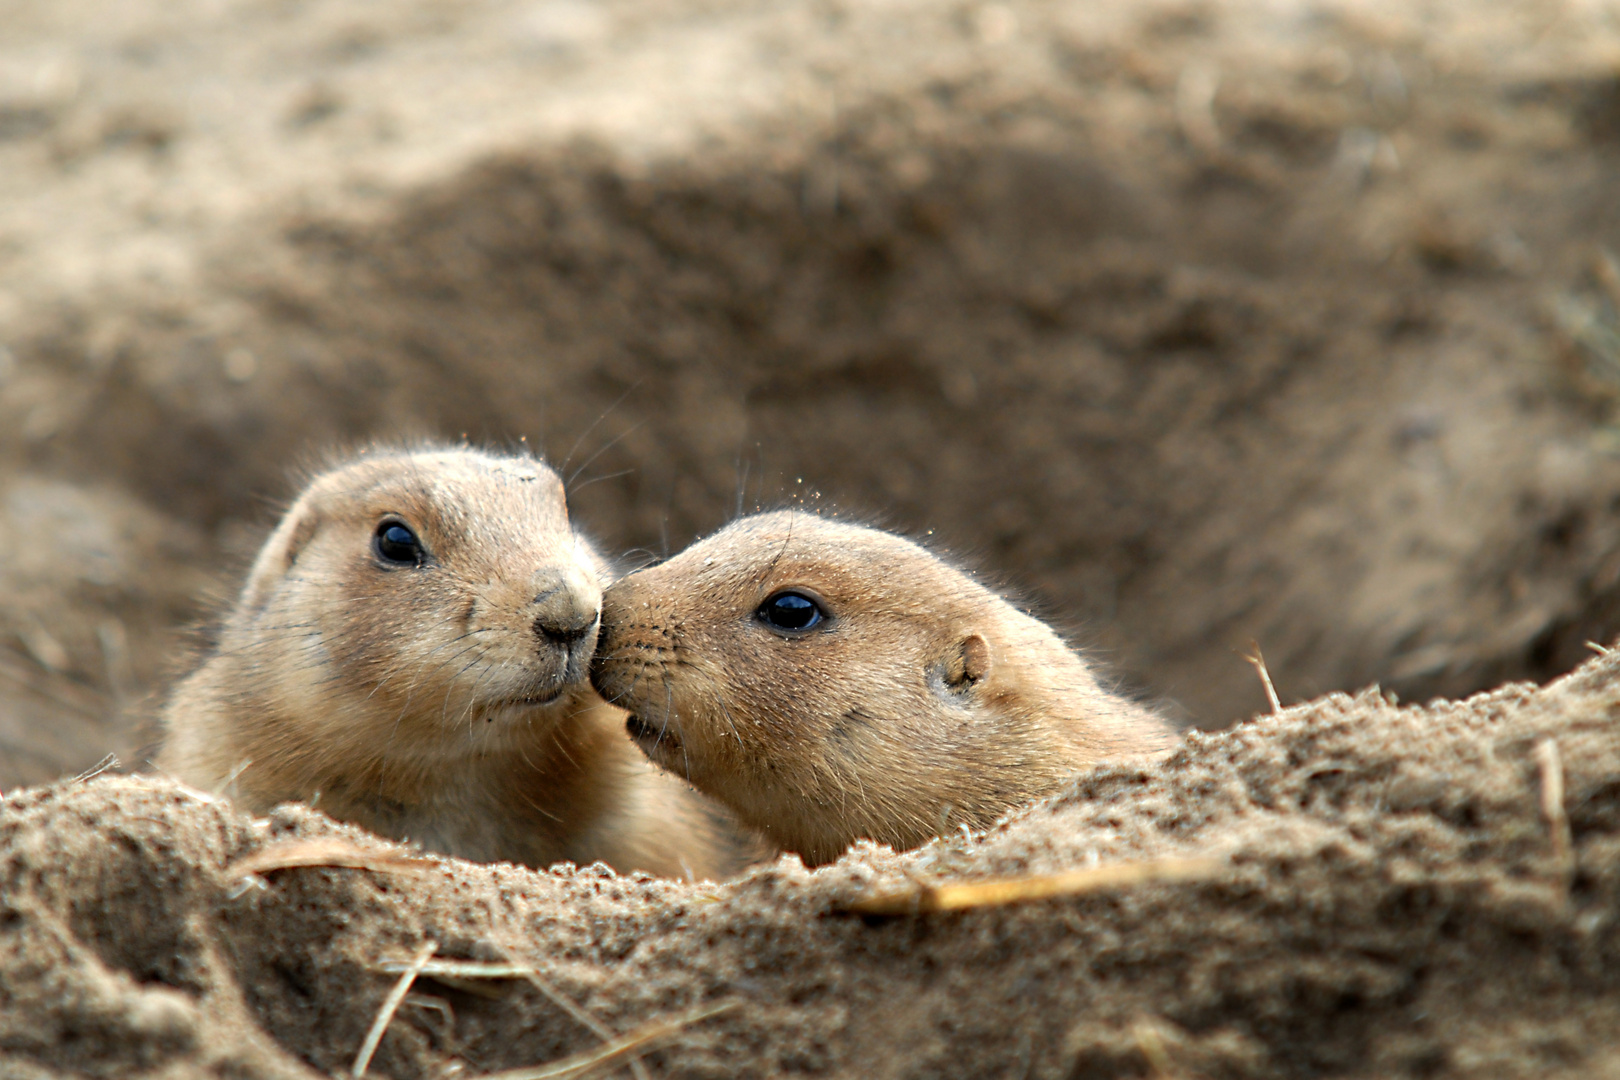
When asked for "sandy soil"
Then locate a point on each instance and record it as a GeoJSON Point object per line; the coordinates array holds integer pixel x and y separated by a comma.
{"type": "Point", "coordinates": [1398, 892]}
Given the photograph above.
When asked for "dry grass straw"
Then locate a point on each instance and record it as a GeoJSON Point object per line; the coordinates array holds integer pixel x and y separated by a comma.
{"type": "Point", "coordinates": [580, 1016]}
{"type": "Point", "coordinates": [925, 897]}
{"type": "Point", "coordinates": [1258, 659]}
{"type": "Point", "coordinates": [1151, 1044]}
{"type": "Point", "coordinates": [462, 973]}
{"type": "Point", "coordinates": [459, 969]}
{"type": "Point", "coordinates": [390, 1005]}
{"type": "Point", "coordinates": [108, 762]}
{"type": "Point", "coordinates": [615, 1050]}
{"type": "Point", "coordinates": [1550, 764]}
{"type": "Point", "coordinates": [428, 1003]}
{"type": "Point", "coordinates": [329, 851]}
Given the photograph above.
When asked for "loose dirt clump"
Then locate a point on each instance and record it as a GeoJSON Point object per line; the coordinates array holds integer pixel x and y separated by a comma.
{"type": "Point", "coordinates": [1398, 892]}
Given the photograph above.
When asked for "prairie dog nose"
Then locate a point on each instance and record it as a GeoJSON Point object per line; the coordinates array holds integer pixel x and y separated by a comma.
{"type": "Point", "coordinates": [566, 606]}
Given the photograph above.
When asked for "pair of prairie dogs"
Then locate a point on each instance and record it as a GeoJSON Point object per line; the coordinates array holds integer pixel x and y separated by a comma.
{"type": "Point", "coordinates": [415, 647]}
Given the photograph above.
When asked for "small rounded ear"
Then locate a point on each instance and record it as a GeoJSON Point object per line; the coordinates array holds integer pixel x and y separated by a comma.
{"type": "Point", "coordinates": [968, 663]}
{"type": "Point", "coordinates": [975, 657]}
{"type": "Point", "coordinates": [278, 555]}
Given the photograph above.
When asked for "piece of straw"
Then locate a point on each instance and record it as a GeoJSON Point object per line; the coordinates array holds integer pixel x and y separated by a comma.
{"type": "Point", "coordinates": [328, 851]}
{"type": "Point", "coordinates": [231, 777]}
{"type": "Point", "coordinates": [457, 969]}
{"type": "Point", "coordinates": [615, 1050]}
{"type": "Point", "coordinates": [1152, 1046]}
{"type": "Point", "coordinates": [924, 897]}
{"type": "Point", "coordinates": [1257, 658]}
{"type": "Point", "coordinates": [362, 1060]}
{"type": "Point", "coordinates": [580, 1016]}
{"type": "Point", "coordinates": [512, 969]}
{"type": "Point", "coordinates": [1551, 767]}
{"type": "Point", "coordinates": [108, 762]}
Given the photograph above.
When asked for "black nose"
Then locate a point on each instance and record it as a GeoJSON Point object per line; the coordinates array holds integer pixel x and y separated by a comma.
{"type": "Point", "coordinates": [564, 628]}
{"type": "Point", "coordinates": [566, 607]}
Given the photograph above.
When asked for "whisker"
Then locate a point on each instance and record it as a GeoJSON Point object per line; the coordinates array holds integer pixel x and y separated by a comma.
{"type": "Point", "coordinates": [610, 444]}
{"type": "Point", "coordinates": [602, 416]}
{"type": "Point", "coordinates": [577, 488]}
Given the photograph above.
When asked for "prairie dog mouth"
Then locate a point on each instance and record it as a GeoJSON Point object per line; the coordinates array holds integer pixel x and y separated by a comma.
{"type": "Point", "coordinates": [532, 701]}
{"type": "Point", "coordinates": [652, 740]}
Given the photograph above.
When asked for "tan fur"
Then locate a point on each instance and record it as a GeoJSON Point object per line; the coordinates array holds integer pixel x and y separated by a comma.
{"type": "Point", "coordinates": [428, 702]}
{"type": "Point", "coordinates": [923, 702]}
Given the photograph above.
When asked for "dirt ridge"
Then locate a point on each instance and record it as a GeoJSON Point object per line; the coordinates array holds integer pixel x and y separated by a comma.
{"type": "Point", "coordinates": [1395, 903]}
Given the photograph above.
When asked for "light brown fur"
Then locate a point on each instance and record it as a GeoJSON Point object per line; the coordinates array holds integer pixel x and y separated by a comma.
{"type": "Point", "coordinates": [444, 702]}
{"type": "Point", "coordinates": [923, 702]}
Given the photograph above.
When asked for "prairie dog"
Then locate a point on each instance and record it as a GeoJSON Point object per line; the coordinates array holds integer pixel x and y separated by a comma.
{"type": "Point", "coordinates": [409, 653]}
{"type": "Point", "coordinates": [830, 682]}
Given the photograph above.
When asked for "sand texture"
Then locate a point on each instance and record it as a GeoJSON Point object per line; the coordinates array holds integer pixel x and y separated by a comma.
{"type": "Point", "coordinates": [1396, 897]}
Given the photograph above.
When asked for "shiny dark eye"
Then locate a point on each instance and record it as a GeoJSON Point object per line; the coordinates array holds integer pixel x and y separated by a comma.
{"type": "Point", "coordinates": [790, 611]}
{"type": "Point", "coordinates": [395, 543]}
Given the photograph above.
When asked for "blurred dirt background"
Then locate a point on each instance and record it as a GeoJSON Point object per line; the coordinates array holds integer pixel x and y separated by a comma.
{"type": "Point", "coordinates": [1195, 323]}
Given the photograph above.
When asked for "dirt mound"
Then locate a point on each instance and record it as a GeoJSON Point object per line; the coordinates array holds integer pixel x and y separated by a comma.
{"type": "Point", "coordinates": [1403, 892]}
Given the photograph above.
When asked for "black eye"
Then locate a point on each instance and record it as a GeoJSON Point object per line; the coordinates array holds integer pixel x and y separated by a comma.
{"type": "Point", "coordinates": [790, 611]}
{"type": "Point", "coordinates": [395, 543]}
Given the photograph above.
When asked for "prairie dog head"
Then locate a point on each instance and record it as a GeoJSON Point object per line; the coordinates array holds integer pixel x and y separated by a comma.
{"type": "Point", "coordinates": [420, 603]}
{"type": "Point", "coordinates": [831, 682]}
